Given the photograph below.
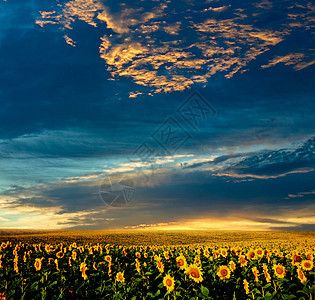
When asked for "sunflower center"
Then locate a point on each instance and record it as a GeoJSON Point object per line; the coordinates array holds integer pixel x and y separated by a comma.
{"type": "Point", "coordinates": [169, 282]}
{"type": "Point", "coordinates": [224, 272]}
{"type": "Point", "coordinates": [279, 270]}
{"type": "Point", "coordinates": [194, 273]}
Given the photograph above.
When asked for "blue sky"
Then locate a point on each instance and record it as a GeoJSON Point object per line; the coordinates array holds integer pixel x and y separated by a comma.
{"type": "Point", "coordinates": [85, 84]}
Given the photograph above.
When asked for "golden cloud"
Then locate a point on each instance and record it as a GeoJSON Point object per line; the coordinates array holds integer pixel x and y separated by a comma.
{"type": "Point", "coordinates": [147, 49]}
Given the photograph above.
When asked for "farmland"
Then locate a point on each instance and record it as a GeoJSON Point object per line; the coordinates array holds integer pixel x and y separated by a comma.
{"type": "Point", "coordinates": [156, 265]}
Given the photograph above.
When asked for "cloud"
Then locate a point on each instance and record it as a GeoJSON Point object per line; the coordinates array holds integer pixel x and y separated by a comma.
{"type": "Point", "coordinates": [217, 9]}
{"type": "Point", "coordinates": [69, 41]}
{"type": "Point", "coordinates": [300, 195]}
{"type": "Point", "coordinates": [144, 46]}
{"type": "Point", "coordinates": [296, 60]}
{"type": "Point", "coordinates": [265, 4]}
{"type": "Point", "coordinates": [274, 164]}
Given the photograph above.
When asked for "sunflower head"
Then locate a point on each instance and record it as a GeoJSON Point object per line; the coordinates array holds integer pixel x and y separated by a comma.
{"type": "Point", "coordinates": [242, 260]}
{"type": "Point", "coordinates": [224, 272]}
{"type": "Point", "coordinates": [223, 252]}
{"type": "Point", "coordinates": [259, 252]}
{"type": "Point", "coordinates": [251, 254]}
{"type": "Point", "coordinates": [169, 282]}
{"type": "Point", "coordinates": [279, 271]}
{"type": "Point", "coordinates": [301, 275]}
{"type": "Point", "coordinates": [38, 264]}
{"type": "Point", "coordinates": [246, 286]}
{"type": "Point", "coordinates": [195, 272]}
{"type": "Point", "coordinates": [181, 262]}
{"type": "Point", "coordinates": [120, 277]}
{"type": "Point", "coordinates": [206, 253]}
{"type": "Point", "coordinates": [160, 266]}
{"type": "Point", "coordinates": [307, 265]}
{"type": "Point", "coordinates": [232, 265]}
{"type": "Point", "coordinates": [108, 258]}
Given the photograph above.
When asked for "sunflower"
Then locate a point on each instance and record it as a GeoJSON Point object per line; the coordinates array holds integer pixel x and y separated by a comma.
{"type": "Point", "coordinates": [160, 266]}
{"type": "Point", "coordinates": [223, 252]}
{"type": "Point", "coordinates": [197, 260]}
{"type": "Point", "coordinates": [195, 272]}
{"type": "Point", "coordinates": [57, 266]}
{"type": "Point", "coordinates": [251, 254]}
{"type": "Point", "coordinates": [169, 282]}
{"type": "Point", "coordinates": [267, 275]}
{"type": "Point", "coordinates": [48, 248]}
{"type": "Point", "coordinates": [242, 260]}
{"type": "Point", "coordinates": [279, 270]}
{"type": "Point", "coordinates": [108, 258]}
{"type": "Point", "coordinates": [38, 264]}
{"type": "Point", "coordinates": [216, 255]}
{"type": "Point", "coordinates": [206, 253]}
{"type": "Point", "coordinates": [138, 255]}
{"type": "Point", "coordinates": [301, 275]}
{"type": "Point", "coordinates": [157, 257]}
{"type": "Point", "coordinates": [166, 255]}
{"type": "Point", "coordinates": [307, 265]}
{"type": "Point", "coordinates": [296, 259]}
{"type": "Point", "coordinates": [234, 252]}
{"type": "Point", "coordinates": [3, 296]}
{"type": "Point", "coordinates": [224, 272]}
{"type": "Point", "coordinates": [181, 262]}
{"type": "Point", "coordinates": [256, 273]}
{"type": "Point", "coordinates": [83, 269]}
{"type": "Point", "coordinates": [74, 255]}
{"type": "Point", "coordinates": [309, 255]}
{"type": "Point", "coordinates": [138, 265]}
{"type": "Point", "coordinates": [95, 266]}
{"type": "Point", "coordinates": [246, 286]}
{"type": "Point", "coordinates": [259, 252]}
{"type": "Point", "coordinates": [145, 255]}
{"type": "Point", "coordinates": [109, 272]}
{"type": "Point", "coordinates": [232, 265]}
{"type": "Point", "coordinates": [60, 254]}
{"type": "Point", "coordinates": [120, 277]}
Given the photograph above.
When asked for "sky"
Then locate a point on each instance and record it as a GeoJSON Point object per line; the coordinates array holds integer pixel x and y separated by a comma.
{"type": "Point", "coordinates": [157, 114]}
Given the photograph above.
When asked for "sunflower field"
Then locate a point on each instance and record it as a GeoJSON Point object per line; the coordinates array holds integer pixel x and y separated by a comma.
{"type": "Point", "coordinates": [108, 271]}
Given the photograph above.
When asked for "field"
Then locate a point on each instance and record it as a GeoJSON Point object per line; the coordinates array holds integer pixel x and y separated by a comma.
{"type": "Point", "coordinates": [156, 265]}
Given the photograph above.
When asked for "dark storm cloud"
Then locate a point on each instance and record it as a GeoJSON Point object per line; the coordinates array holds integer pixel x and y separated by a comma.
{"type": "Point", "coordinates": [300, 227]}
{"type": "Point", "coordinates": [276, 163]}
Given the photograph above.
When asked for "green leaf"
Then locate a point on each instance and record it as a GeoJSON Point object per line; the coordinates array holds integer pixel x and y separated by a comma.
{"type": "Point", "coordinates": [268, 296]}
{"type": "Point", "coordinates": [204, 291]}
{"type": "Point", "coordinates": [52, 284]}
{"type": "Point", "coordinates": [160, 285]}
{"type": "Point", "coordinates": [34, 286]}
